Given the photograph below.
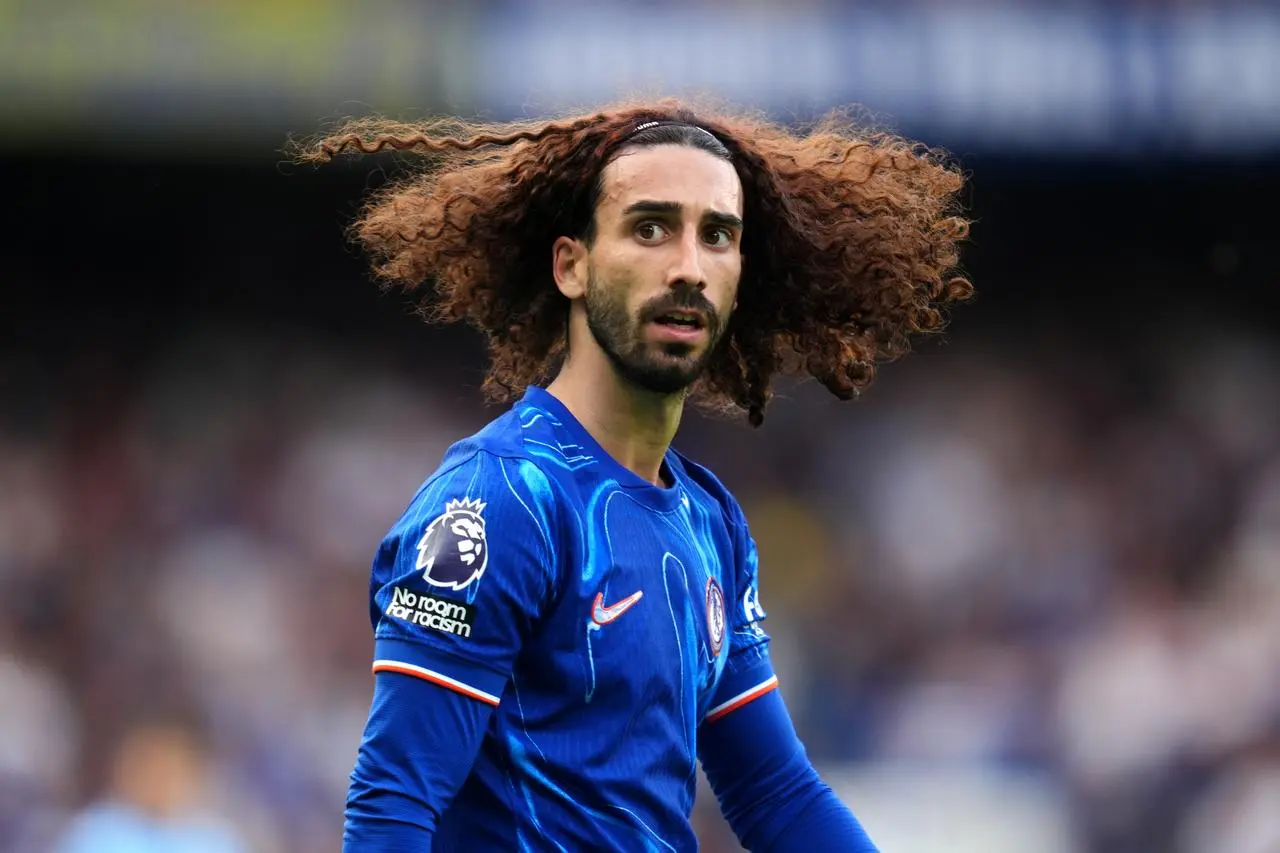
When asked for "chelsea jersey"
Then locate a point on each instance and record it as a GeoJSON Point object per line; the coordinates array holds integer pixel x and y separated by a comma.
{"type": "Point", "coordinates": [604, 618]}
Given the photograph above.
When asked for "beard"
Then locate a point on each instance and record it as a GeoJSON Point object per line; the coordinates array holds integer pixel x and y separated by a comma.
{"type": "Point", "coordinates": [665, 368]}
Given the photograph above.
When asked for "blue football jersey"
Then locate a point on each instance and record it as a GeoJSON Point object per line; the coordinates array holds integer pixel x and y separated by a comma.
{"type": "Point", "coordinates": [604, 618]}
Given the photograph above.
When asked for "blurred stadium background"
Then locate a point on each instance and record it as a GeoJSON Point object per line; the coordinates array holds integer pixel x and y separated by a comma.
{"type": "Point", "coordinates": [1025, 595]}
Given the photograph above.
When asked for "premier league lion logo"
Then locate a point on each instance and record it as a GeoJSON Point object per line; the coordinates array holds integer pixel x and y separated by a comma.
{"type": "Point", "coordinates": [453, 552]}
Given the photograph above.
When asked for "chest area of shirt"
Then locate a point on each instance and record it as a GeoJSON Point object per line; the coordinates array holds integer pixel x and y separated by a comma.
{"type": "Point", "coordinates": [648, 599]}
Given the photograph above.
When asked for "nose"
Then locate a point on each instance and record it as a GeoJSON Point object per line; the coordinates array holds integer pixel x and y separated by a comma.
{"type": "Point", "coordinates": [686, 268]}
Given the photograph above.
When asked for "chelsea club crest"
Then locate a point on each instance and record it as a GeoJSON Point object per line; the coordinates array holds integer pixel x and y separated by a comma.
{"type": "Point", "coordinates": [453, 552]}
{"type": "Point", "coordinates": [715, 616]}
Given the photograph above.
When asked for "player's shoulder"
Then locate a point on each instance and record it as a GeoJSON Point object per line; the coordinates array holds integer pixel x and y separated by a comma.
{"type": "Point", "coordinates": [485, 488]}
{"type": "Point", "coordinates": [710, 488]}
{"type": "Point", "coordinates": [541, 438]}
{"type": "Point", "coordinates": [495, 464]}
{"type": "Point", "coordinates": [529, 435]}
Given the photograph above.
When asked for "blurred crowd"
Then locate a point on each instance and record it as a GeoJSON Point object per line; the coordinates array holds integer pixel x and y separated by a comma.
{"type": "Point", "coordinates": [1004, 569]}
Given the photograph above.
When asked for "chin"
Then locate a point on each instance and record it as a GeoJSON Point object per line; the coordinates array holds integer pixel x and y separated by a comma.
{"type": "Point", "coordinates": [671, 376]}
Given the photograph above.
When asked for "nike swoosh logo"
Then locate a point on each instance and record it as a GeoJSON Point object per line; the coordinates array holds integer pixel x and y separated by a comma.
{"type": "Point", "coordinates": [602, 615]}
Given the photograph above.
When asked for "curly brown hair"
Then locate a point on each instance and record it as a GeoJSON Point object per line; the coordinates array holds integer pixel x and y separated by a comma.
{"type": "Point", "coordinates": [850, 247]}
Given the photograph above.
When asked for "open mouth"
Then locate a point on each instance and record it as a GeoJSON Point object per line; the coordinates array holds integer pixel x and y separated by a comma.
{"type": "Point", "coordinates": [688, 320]}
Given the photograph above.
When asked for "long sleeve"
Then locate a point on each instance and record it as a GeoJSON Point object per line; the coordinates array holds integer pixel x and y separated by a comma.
{"type": "Point", "coordinates": [768, 790]}
{"type": "Point", "coordinates": [418, 747]}
{"type": "Point", "coordinates": [456, 590]}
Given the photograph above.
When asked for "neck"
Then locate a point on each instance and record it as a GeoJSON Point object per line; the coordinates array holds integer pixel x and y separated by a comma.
{"type": "Point", "coordinates": [634, 425]}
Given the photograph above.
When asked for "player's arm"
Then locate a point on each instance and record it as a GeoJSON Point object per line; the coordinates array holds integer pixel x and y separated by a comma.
{"type": "Point", "coordinates": [767, 788]}
{"type": "Point", "coordinates": [457, 588]}
{"type": "Point", "coordinates": [399, 788]}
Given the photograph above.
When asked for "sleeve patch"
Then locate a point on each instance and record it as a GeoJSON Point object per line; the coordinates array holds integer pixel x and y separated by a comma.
{"type": "Point", "coordinates": [425, 611]}
{"type": "Point", "coordinates": [751, 609]}
{"type": "Point", "coordinates": [454, 550]}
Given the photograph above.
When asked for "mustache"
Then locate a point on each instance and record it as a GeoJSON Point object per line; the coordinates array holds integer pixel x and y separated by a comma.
{"type": "Point", "coordinates": [682, 299]}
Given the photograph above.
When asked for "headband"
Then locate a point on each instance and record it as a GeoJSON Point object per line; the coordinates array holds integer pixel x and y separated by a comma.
{"type": "Point", "coordinates": [669, 123]}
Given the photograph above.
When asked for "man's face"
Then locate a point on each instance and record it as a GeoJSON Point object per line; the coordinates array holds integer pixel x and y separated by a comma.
{"type": "Point", "coordinates": [663, 270]}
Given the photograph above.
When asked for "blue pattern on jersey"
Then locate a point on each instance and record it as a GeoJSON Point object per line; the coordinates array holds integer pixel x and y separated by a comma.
{"type": "Point", "coordinates": [605, 617]}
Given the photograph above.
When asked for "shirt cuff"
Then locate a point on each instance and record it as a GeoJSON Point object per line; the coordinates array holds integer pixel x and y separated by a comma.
{"type": "Point", "coordinates": [745, 679]}
{"type": "Point", "coordinates": [439, 667]}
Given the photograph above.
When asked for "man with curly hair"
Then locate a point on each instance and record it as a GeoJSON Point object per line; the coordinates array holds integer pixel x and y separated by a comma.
{"type": "Point", "coordinates": [567, 616]}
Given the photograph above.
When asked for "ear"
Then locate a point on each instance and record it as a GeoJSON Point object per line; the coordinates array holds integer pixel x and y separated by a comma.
{"type": "Point", "coordinates": [569, 266]}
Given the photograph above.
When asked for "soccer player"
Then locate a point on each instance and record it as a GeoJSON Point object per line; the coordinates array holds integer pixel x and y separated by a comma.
{"type": "Point", "coordinates": [567, 615]}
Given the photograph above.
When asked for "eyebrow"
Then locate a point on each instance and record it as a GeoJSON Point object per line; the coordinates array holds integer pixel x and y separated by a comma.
{"type": "Point", "coordinates": [717, 217]}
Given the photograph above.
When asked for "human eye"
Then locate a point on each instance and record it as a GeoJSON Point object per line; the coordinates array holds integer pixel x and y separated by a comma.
{"type": "Point", "coordinates": [718, 236]}
{"type": "Point", "coordinates": [650, 231]}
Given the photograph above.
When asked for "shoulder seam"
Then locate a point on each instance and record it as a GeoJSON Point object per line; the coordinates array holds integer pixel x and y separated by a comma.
{"type": "Point", "coordinates": [440, 473]}
{"type": "Point", "coordinates": [488, 452]}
